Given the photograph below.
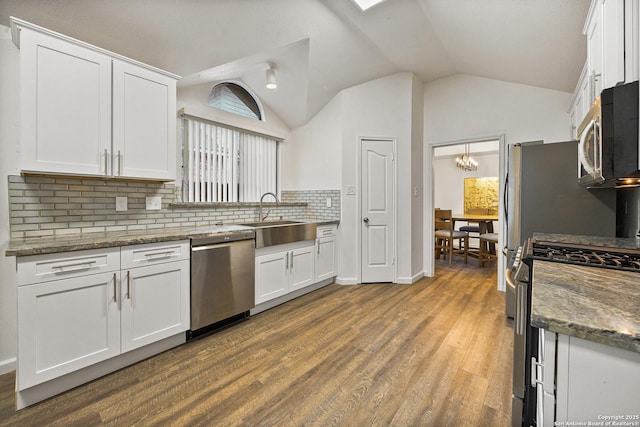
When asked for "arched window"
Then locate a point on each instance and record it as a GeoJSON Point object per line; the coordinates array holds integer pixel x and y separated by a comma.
{"type": "Point", "coordinates": [235, 99]}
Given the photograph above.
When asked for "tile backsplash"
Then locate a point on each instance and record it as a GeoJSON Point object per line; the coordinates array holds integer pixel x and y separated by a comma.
{"type": "Point", "coordinates": [51, 206]}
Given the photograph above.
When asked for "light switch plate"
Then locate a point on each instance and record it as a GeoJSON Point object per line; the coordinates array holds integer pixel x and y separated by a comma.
{"type": "Point", "coordinates": [154, 203]}
{"type": "Point", "coordinates": [121, 204]}
{"type": "Point", "coordinates": [351, 190]}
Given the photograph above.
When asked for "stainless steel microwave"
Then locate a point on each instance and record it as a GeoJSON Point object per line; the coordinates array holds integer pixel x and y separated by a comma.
{"type": "Point", "coordinates": [608, 154]}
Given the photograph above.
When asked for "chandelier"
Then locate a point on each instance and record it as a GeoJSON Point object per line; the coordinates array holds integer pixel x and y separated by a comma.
{"type": "Point", "coordinates": [465, 161]}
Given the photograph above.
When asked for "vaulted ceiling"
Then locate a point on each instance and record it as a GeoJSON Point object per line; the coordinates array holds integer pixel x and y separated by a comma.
{"type": "Point", "coordinates": [320, 47]}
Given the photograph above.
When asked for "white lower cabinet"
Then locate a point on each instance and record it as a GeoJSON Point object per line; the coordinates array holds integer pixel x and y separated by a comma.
{"type": "Point", "coordinates": [581, 381]}
{"type": "Point", "coordinates": [326, 253]}
{"type": "Point", "coordinates": [301, 268]}
{"type": "Point", "coordinates": [77, 309]}
{"type": "Point", "coordinates": [155, 296]}
{"type": "Point", "coordinates": [283, 268]}
{"type": "Point", "coordinates": [66, 325]}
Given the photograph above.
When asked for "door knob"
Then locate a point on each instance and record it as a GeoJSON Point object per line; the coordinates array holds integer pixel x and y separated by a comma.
{"type": "Point", "coordinates": [366, 220]}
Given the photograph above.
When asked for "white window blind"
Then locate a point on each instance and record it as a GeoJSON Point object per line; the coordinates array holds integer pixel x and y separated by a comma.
{"type": "Point", "coordinates": [227, 165]}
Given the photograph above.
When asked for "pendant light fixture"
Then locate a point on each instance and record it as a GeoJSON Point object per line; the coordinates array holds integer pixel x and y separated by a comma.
{"type": "Point", "coordinates": [465, 161]}
{"type": "Point", "coordinates": [271, 77]}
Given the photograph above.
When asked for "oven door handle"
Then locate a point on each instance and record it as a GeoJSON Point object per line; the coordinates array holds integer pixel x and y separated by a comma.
{"type": "Point", "coordinates": [521, 310]}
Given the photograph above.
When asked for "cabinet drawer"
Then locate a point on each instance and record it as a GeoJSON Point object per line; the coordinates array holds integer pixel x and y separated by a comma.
{"type": "Point", "coordinates": [154, 253]}
{"type": "Point", "coordinates": [48, 267]}
{"type": "Point", "coordinates": [326, 230]}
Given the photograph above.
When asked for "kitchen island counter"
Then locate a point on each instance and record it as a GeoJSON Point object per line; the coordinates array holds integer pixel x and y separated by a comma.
{"type": "Point", "coordinates": [596, 304]}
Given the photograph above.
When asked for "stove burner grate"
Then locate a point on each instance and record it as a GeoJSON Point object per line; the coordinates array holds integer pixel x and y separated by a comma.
{"type": "Point", "coordinates": [591, 257]}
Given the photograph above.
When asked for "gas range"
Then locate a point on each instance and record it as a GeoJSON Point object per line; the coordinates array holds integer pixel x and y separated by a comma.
{"type": "Point", "coordinates": [590, 256]}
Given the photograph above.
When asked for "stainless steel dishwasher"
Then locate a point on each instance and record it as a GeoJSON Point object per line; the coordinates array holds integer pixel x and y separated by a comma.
{"type": "Point", "coordinates": [222, 280]}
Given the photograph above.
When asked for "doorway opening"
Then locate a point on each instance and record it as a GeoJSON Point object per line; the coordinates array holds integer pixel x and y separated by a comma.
{"type": "Point", "coordinates": [445, 188]}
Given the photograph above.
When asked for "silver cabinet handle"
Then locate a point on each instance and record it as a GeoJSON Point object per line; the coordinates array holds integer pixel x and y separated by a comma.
{"type": "Point", "coordinates": [292, 260]}
{"type": "Point", "coordinates": [105, 162]}
{"type": "Point", "coordinates": [286, 261]}
{"type": "Point", "coordinates": [160, 254]}
{"type": "Point", "coordinates": [318, 243]}
{"type": "Point", "coordinates": [115, 290]}
{"type": "Point", "coordinates": [75, 264]}
{"type": "Point", "coordinates": [119, 164]}
{"type": "Point", "coordinates": [128, 284]}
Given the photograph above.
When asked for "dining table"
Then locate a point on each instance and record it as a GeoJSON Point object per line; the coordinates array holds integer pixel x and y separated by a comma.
{"type": "Point", "coordinates": [485, 222]}
{"type": "Point", "coordinates": [485, 225]}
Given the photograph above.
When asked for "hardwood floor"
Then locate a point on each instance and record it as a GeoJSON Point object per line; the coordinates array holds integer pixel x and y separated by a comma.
{"type": "Point", "coordinates": [435, 353]}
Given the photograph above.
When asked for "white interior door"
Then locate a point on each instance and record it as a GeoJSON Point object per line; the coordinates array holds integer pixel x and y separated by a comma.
{"type": "Point", "coordinates": [377, 202]}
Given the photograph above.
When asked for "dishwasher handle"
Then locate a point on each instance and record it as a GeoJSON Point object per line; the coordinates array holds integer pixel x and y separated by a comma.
{"type": "Point", "coordinates": [220, 245]}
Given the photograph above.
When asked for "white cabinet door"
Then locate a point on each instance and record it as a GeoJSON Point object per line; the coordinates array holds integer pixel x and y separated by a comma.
{"type": "Point", "coordinates": [594, 51]}
{"type": "Point", "coordinates": [612, 43]}
{"type": "Point", "coordinates": [65, 106]}
{"type": "Point", "coordinates": [155, 303]}
{"type": "Point", "coordinates": [144, 120]}
{"type": "Point", "coordinates": [325, 258]}
{"type": "Point", "coordinates": [66, 325]}
{"type": "Point", "coordinates": [301, 271]}
{"type": "Point", "coordinates": [271, 276]}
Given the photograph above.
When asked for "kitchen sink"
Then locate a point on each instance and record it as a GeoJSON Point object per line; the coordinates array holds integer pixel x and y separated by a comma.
{"type": "Point", "coordinates": [271, 223]}
{"type": "Point", "coordinates": [269, 233]}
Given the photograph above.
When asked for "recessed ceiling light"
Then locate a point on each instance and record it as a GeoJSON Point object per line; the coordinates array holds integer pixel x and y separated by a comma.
{"type": "Point", "coordinates": [366, 4]}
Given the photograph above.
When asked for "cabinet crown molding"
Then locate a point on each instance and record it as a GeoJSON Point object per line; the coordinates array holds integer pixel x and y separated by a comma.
{"type": "Point", "coordinates": [18, 24]}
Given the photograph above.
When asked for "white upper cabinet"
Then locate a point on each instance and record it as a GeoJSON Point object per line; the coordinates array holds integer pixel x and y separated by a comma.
{"type": "Point", "coordinates": [611, 30]}
{"type": "Point", "coordinates": [593, 31]}
{"type": "Point", "coordinates": [613, 48]}
{"type": "Point", "coordinates": [66, 106]}
{"type": "Point", "coordinates": [144, 122]}
{"type": "Point", "coordinates": [88, 111]}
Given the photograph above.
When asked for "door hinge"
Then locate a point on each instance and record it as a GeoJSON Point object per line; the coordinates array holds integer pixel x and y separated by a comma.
{"type": "Point", "coordinates": [393, 261]}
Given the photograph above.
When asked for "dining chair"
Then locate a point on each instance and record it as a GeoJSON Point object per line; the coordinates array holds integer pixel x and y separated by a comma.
{"type": "Point", "coordinates": [473, 227]}
{"type": "Point", "coordinates": [487, 250]}
{"type": "Point", "coordinates": [445, 235]}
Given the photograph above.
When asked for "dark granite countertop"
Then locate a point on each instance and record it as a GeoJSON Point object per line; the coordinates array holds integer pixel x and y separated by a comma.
{"type": "Point", "coordinates": [77, 242]}
{"type": "Point", "coordinates": [571, 239]}
{"type": "Point", "coordinates": [596, 304]}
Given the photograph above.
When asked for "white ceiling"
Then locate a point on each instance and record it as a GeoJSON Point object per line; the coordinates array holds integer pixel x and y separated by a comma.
{"type": "Point", "coordinates": [320, 47]}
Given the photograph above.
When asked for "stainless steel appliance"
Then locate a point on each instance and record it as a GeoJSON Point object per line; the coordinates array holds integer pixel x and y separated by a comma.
{"type": "Point", "coordinates": [581, 250]}
{"type": "Point", "coordinates": [608, 151]}
{"type": "Point", "coordinates": [222, 280]}
{"type": "Point", "coordinates": [543, 195]}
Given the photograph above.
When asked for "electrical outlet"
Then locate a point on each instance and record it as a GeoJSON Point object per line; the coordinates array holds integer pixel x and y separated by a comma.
{"type": "Point", "coordinates": [154, 203]}
{"type": "Point", "coordinates": [121, 204]}
{"type": "Point", "coordinates": [328, 202]}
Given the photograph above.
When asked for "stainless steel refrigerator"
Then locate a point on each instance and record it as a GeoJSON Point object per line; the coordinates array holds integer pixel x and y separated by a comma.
{"type": "Point", "coordinates": [543, 195]}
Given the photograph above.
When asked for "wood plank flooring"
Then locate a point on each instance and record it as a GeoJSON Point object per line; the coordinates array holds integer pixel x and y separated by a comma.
{"type": "Point", "coordinates": [435, 353]}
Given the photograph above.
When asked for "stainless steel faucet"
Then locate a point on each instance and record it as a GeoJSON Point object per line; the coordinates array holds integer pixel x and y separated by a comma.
{"type": "Point", "coordinates": [261, 218]}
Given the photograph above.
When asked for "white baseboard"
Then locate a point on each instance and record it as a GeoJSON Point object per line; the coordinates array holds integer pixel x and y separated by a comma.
{"type": "Point", "coordinates": [347, 281]}
{"type": "Point", "coordinates": [410, 280]}
{"type": "Point", "coordinates": [7, 366]}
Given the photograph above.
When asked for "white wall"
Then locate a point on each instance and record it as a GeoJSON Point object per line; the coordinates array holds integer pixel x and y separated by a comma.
{"type": "Point", "coordinates": [417, 174]}
{"type": "Point", "coordinates": [448, 185]}
{"type": "Point", "coordinates": [379, 108]}
{"type": "Point", "coordinates": [312, 159]}
{"type": "Point", "coordinates": [462, 107]}
{"type": "Point", "coordinates": [9, 137]}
